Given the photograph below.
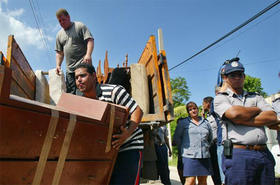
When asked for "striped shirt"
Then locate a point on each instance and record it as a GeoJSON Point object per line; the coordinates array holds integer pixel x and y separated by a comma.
{"type": "Point", "coordinates": [118, 95]}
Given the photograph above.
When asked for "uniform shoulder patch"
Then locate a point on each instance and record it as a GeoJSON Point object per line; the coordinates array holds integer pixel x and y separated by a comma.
{"type": "Point", "coordinates": [223, 93]}
{"type": "Point", "coordinates": [253, 93]}
{"type": "Point", "coordinates": [276, 99]}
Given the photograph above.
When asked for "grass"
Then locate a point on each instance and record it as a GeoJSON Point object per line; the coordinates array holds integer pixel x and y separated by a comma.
{"type": "Point", "coordinates": [173, 161]}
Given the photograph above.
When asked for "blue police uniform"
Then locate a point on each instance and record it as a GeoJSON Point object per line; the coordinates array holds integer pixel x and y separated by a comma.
{"type": "Point", "coordinates": [216, 148]}
{"type": "Point", "coordinates": [276, 107]}
{"type": "Point", "coordinates": [213, 148]}
{"type": "Point", "coordinates": [251, 162]}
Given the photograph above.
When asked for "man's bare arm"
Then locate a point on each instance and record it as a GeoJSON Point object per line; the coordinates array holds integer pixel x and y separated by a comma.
{"type": "Point", "coordinates": [166, 139]}
{"type": "Point", "coordinates": [134, 121]}
{"type": "Point", "coordinates": [240, 114]}
{"type": "Point", "coordinates": [59, 58]}
{"type": "Point", "coordinates": [251, 116]}
{"type": "Point", "coordinates": [265, 118]}
{"type": "Point", "coordinates": [90, 46]}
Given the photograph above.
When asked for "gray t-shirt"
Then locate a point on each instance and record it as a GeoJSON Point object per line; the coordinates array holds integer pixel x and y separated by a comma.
{"type": "Point", "coordinates": [73, 43]}
{"type": "Point", "coordinates": [241, 134]}
{"type": "Point", "coordinates": [160, 134]}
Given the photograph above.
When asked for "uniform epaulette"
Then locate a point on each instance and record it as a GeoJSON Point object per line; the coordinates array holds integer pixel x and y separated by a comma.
{"type": "Point", "coordinates": [223, 93]}
{"type": "Point", "coordinates": [253, 93]}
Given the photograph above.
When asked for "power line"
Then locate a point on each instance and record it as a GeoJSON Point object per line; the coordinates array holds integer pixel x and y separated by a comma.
{"type": "Point", "coordinates": [231, 32]}
{"type": "Point", "coordinates": [38, 27]}
{"type": "Point", "coordinates": [241, 32]}
{"type": "Point", "coordinates": [245, 64]}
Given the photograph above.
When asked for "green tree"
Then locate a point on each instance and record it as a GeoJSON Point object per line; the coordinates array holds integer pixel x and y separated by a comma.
{"type": "Point", "coordinates": [180, 91]}
{"type": "Point", "coordinates": [180, 95]}
{"type": "Point", "coordinates": [252, 84]}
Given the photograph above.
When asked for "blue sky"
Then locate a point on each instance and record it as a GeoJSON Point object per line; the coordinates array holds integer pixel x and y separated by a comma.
{"type": "Point", "coordinates": [124, 26]}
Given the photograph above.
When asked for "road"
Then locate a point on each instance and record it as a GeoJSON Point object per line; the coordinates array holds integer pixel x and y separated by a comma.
{"type": "Point", "coordinates": [175, 180]}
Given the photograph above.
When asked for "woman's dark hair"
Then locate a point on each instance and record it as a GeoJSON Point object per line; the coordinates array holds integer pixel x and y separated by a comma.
{"type": "Point", "coordinates": [208, 99]}
{"type": "Point", "coordinates": [190, 104]}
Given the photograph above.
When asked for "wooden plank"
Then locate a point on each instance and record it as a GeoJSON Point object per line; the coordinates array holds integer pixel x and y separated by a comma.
{"type": "Point", "coordinates": [27, 85]}
{"type": "Point", "coordinates": [22, 72]}
{"type": "Point", "coordinates": [95, 108]}
{"type": "Point", "coordinates": [89, 141]}
{"type": "Point", "coordinates": [16, 89]}
{"type": "Point", "coordinates": [139, 86]}
{"type": "Point", "coordinates": [3, 60]}
{"type": "Point", "coordinates": [9, 51]}
{"type": "Point", "coordinates": [5, 81]}
{"type": "Point", "coordinates": [22, 61]}
{"type": "Point", "coordinates": [46, 148]}
{"type": "Point", "coordinates": [110, 132]}
{"type": "Point", "coordinates": [74, 172]}
{"type": "Point", "coordinates": [2, 76]}
{"type": "Point", "coordinates": [168, 103]}
{"type": "Point", "coordinates": [106, 68]}
{"type": "Point", "coordinates": [151, 117]}
{"type": "Point", "coordinates": [99, 75]}
{"type": "Point", "coordinates": [92, 108]}
{"type": "Point", "coordinates": [22, 134]}
{"type": "Point", "coordinates": [64, 149]}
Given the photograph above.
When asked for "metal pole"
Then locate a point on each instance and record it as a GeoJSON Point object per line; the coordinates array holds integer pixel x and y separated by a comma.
{"type": "Point", "coordinates": [160, 40]}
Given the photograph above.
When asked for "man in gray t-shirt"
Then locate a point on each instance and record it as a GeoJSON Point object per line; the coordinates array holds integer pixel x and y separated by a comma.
{"type": "Point", "coordinates": [245, 115]}
{"type": "Point", "coordinates": [162, 147]}
{"type": "Point", "coordinates": [75, 42]}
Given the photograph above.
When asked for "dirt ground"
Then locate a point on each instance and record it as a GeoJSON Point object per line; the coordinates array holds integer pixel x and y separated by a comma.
{"type": "Point", "coordinates": [175, 180]}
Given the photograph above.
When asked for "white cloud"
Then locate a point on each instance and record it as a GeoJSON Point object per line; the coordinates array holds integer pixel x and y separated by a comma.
{"type": "Point", "coordinates": [26, 36]}
{"type": "Point", "coordinates": [16, 13]}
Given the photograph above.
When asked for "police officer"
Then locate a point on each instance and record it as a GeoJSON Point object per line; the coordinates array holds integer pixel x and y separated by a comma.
{"type": "Point", "coordinates": [247, 160]}
{"type": "Point", "coordinates": [276, 107]}
{"type": "Point", "coordinates": [210, 115]}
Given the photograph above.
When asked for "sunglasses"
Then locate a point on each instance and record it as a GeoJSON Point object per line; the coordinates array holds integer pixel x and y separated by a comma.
{"type": "Point", "coordinates": [235, 75]}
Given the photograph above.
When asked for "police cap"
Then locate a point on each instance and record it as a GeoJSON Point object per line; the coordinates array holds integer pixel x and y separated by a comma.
{"type": "Point", "coordinates": [232, 66]}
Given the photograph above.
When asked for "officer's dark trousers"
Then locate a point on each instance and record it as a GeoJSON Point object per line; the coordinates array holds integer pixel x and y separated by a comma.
{"type": "Point", "coordinates": [214, 160]}
{"type": "Point", "coordinates": [162, 163]}
{"type": "Point", "coordinates": [249, 167]}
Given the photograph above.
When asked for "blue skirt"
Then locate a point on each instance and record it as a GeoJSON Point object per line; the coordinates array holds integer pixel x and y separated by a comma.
{"type": "Point", "coordinates": [197, 167]}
